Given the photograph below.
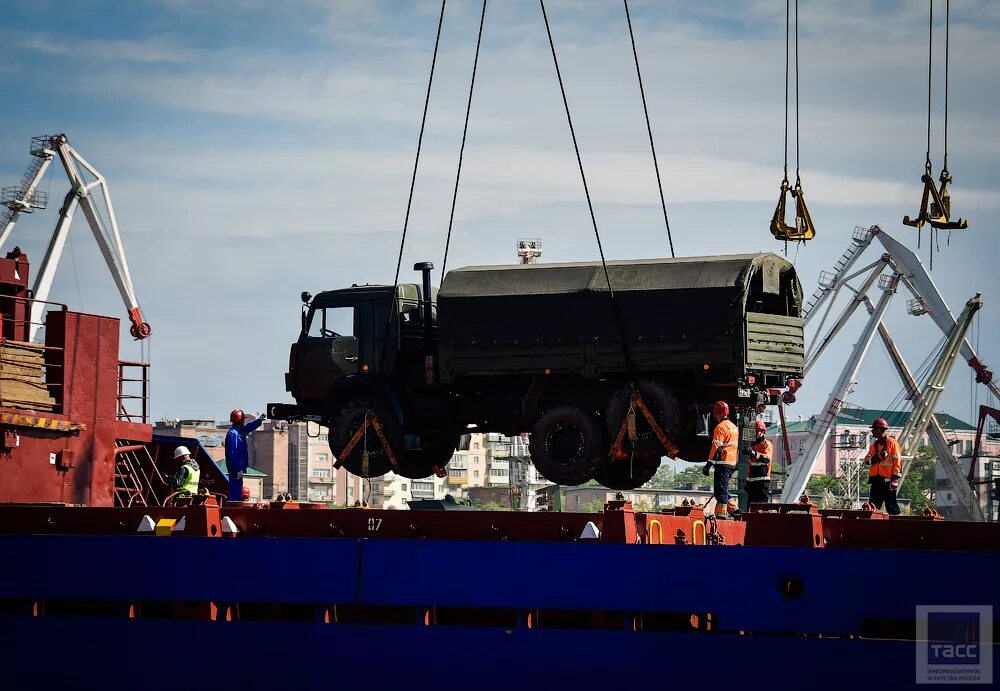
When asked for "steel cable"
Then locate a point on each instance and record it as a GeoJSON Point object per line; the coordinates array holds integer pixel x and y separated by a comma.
{"type": "Point", "coordinates": [461, 151]}
{"type": "Point", "coordinates": [649, 129]}
{"type": "Point", "coordinates": [413, 181]}
{"type": "Point", "coordinates": [590, 206]}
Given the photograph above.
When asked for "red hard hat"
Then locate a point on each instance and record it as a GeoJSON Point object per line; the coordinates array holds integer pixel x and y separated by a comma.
{"type": "Point", "coordinates": [761, 426]}
{"type": "Point", "coordinates": [236, 416]}
{"type": "Point", "coordinates": [720, 409]}
{"type": "Point", "coordinates": [880, 423]}
{"type": "Point", "coordinates": [246, 492]}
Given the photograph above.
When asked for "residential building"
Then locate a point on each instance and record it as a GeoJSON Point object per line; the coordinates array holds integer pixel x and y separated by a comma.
{"type": "Point", "coordinates": [850, 437]}
{"type": "Point", "coordinates": [269, 454]}
{"type": "Point", "coordinates": [210, 434]}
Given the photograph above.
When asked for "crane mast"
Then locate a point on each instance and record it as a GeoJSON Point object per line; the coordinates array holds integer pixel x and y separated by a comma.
{"type": "Point", "coordinates": [88, 196]}
{"type": "Point", "coordinates": [906, 270]}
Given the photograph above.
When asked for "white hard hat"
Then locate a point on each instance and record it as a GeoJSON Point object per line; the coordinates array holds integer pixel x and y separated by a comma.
{"type": "Point", "coordinates": [181, 451]}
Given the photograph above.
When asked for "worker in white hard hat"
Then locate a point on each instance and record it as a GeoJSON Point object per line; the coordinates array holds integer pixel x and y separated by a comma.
{"type": "Point", "coordinates": [188, 475]}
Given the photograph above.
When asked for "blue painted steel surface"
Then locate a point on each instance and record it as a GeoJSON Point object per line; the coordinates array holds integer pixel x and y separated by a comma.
{"type": "Point", "coordinates": [740, 585]}
{"type": "Point", "coordinates": [287, 570]}
{"type": "Point", "coordinates": [112, 654]}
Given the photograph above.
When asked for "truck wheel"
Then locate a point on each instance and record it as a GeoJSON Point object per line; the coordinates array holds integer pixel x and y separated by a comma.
{"type": "Point", "coordinates": [620, 474]}
{"type": "Point", "coordinates": [348, 421]}
{"type": "Point", "coordinates": [420, 464]}
{"type": "Point", "coordinates": [568, 445]}
{"type": "Point", "coordinates": [661, 403]}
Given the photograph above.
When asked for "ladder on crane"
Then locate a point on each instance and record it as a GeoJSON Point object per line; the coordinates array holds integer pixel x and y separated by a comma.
{"type": "Point", "coordinates": [897, 266]}
{"type": "Point", "coordinates": [25, 197]}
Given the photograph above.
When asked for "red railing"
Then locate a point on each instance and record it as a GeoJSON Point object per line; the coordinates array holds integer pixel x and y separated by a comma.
{"type": "Point", "coordinates": [133, 386]}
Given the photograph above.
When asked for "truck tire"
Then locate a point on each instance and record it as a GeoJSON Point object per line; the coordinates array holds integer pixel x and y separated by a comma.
{"type": "Point", "coordinates": [661, 403]}
{"type": "Point", "coordinates": [620, 474]}
{"type": "Point", "coordinates": [568, 445]}
{"type": "Point", "coordinates": [347, 422]}
{"type": "Point", "coordinates": [420, 464]}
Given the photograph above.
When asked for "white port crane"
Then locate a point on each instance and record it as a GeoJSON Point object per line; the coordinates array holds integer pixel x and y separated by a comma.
{"type": "Point", "coordinates": [25, 198]}
{"type": "Point", "coordinates": [897, 265]}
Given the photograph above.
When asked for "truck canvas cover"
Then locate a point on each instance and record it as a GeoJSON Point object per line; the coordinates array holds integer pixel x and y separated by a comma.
{"type": "Point", "coordinates": [660, 300]}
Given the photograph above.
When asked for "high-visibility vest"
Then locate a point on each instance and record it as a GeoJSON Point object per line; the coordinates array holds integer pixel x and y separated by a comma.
{"type": "Point", "coordinates": [760, 468]}
{"type": "Point", "coordinates": [188, 477]}
{"type": "Point", "coordinates": [884, 465]}
{"type": "Point", "coordinates": [725, 443]}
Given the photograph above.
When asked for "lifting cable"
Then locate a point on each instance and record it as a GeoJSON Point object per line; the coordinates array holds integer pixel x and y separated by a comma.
{"type": "Point", "coordinates": [629, 365]}
{"type": "Point", "coordinates": [803, 229]}
{"type": "Point", "coordinates": [409, 203]}
{"type": "Point", "coordinates": [935, 203]}
{"type": "Point", "coordinates": [461, 151]}
{"type": "Point", "coordinates": [649, 129]}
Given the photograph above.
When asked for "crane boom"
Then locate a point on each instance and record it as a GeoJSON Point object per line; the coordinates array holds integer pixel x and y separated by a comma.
{"type": "Point", "coordinates": [103, 226]}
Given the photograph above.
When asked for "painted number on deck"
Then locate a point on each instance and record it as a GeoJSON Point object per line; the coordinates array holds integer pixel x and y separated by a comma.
{"type": "Point", "coordinates": [374, 524]}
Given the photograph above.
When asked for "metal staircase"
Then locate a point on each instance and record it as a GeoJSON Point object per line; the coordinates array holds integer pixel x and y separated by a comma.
{"type": "Point", "coordinates": [860, 239]}
{"type": "Point", "coordinates": [137, 477]}
{"type": "Point", "coordinates": [25, 196]}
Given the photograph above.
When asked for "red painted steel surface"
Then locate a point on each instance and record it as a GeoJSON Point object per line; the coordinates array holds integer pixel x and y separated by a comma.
{"type": "Point", "coordinates": [690, 526]}
{"type": "Point", "coordinates": [81, 371]}
{"type": "Point", "coordinates": [784, 524]}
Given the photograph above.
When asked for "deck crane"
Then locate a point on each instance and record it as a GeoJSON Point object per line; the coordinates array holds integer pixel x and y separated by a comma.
{"type": "Point", "coordinates": [903, 268]}
{"type": "Point", "coordinates": [25, 198]}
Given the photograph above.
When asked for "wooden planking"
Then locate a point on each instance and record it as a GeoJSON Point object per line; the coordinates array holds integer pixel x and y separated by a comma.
{"type": "Point", "coordinates": [22, 377]}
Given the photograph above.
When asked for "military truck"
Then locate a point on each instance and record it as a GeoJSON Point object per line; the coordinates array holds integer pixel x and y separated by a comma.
{"type": "Point", "coordinates": [543, 348]}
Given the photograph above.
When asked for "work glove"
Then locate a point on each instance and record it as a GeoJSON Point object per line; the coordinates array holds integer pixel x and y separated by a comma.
{"type": "Point", "coordinates": [707, 469]}
{"type": "Point", "coordinates": [894, 483]}
{"type": "Point", "coordinates": [748, 450]}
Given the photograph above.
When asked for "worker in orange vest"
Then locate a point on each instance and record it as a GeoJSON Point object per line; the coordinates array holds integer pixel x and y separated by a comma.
{"type": "Point", "coordinates": [722, 455]}
{"type": "Point", "coordinates": [884, 472]}
{"type": "Point", "coordinates": [761, 451]}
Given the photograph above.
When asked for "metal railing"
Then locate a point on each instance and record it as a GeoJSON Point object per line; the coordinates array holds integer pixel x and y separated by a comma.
{"type": "Point", "coordinates": [132, 389]}
{"type": "Point", "coordinates": [135, 465]}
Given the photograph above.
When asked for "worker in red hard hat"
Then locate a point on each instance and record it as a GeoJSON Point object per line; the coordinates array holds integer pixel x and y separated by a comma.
{"type": "Point", "coordinates": [237, 456]}
{"type": "Point", "coordinates": [246, 493]}
{"type": "Point", "coordinates": [761, 451]}
{"type": "Point", "coordinates": [722, 457]}
{"type": "Point", "coordinates": [885, 469]}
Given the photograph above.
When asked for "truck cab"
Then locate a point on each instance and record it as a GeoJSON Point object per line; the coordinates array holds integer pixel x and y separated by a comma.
{"type": "Point", "coordinates": [341, 344]}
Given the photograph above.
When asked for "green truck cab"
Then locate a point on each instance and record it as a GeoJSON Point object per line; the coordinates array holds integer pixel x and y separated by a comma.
{"type": "Point", "coordinates": [537, 348]}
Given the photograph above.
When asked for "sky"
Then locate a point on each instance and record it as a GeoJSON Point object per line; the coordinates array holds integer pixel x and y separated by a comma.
{"type": "Point", "coordinates": [255, 149]}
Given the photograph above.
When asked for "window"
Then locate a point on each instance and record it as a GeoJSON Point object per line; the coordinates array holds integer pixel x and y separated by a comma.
{"type": "Point", "coordinates": [475, 473]}
{"type": "Point", "coordinates": [323, 437]}
{"type": "Point", "coordinates": [423, 486]}
{"type": "Point", "coordinates": [322, 458]}
{"type": "Point", "coordinates": [476, 459]}
{"type": "Point", "coordinates": [332, 322]}
{"type": "Point", "coordinates": [321, 473]}
{"type": "Point", "coordinates": [404, 488]}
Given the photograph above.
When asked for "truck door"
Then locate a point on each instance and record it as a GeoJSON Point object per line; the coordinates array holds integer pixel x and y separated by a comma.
{"type": "Point", "coordinates": [329, 349]}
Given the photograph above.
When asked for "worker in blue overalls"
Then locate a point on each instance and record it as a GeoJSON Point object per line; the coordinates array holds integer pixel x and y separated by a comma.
{"type": "Point", "coordinates": [237, 458]}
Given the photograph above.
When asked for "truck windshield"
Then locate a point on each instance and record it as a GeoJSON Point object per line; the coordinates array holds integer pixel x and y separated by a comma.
{"type": "Point", "coordinates": [331, 322]}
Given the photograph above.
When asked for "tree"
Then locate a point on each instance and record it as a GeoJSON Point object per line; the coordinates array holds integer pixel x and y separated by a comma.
{"type": "Point", "coordinates": [921, 481]}
{"type": "Point", "coordinates": [818, 483]}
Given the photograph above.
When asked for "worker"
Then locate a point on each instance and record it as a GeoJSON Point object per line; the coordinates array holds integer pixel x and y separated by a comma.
{"type": "Point", "coordinates": [237, 458]}
{"type": "Point", "coordinates": [245, 496]}
{"type": "Point", "coordinates": [722, 456]}
{"type": "Point", "coordinates": [761, 451]}
{"type": "Point", "coordinates": [188, 475]}
{"type": "Point", "coordinates": [884, 471]}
